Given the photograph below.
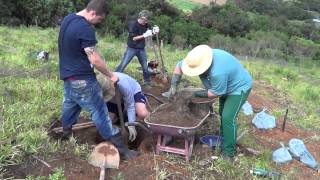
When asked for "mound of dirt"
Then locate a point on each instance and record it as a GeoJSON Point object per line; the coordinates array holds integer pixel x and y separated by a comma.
{"type": "Point", "coordinates": [181, 112]}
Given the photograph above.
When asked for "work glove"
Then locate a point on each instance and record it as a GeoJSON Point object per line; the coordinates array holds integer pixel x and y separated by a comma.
{"type": "Point", "coordinates": [173, 88]}
{"type": "Point", "coordinates": [169, 94]}
{"type": "Point", "coordinates": [200, 94]}
{"type": "Point", "coordinates": [172, 91]}
{"type": "Point", "coordinates": [155, 29]}
{"type": "Point", "coordinates": [132, 133]}
{"type": "Point", "coordinates": [148, 33]}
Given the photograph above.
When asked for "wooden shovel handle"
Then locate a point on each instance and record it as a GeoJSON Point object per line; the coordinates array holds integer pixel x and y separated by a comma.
{"type": "Point", "coordinates": [102, 173]}
{"type": "Point", "coordinates": [75, 127]}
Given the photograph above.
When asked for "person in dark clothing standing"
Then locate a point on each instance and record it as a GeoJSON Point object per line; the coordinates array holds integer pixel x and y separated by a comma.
{"type": "Point", "coordinates": [77, 58]}
{"type": "Point", "coordinates": [139, 30]}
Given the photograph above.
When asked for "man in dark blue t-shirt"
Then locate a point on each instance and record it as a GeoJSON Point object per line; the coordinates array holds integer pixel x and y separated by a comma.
{"type": "Point", "coordinates": [77, 57]}
{"type": "Point", "coordinates": [139, 30]}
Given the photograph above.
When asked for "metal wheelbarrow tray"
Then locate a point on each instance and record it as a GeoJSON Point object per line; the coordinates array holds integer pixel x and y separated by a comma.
{"type": "Point", "coordinates": [165, 130]}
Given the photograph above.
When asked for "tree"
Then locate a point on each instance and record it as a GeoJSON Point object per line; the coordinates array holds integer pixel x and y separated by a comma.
{"type": "Point", "coordinates": [232, 21]}
{"type": "Point", "coordinates": [228, 20]}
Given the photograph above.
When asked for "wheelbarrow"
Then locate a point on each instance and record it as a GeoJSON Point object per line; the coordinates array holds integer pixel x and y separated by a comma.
{"type": "Point", "coordinates": [186, 133]}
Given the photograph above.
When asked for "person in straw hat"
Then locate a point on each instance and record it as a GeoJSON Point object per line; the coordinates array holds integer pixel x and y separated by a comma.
{"type": "Point", "coordinates": [134, 101]}
{"type": "Point", "coordinates": [223, 76]}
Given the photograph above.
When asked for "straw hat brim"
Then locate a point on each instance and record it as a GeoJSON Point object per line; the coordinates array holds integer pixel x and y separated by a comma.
{"type": "Point", "coordinates": [204, 55]}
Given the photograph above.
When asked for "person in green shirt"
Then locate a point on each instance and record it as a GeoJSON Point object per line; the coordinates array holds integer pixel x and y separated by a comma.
{"type": "Point", "coordinates": [223, 77]}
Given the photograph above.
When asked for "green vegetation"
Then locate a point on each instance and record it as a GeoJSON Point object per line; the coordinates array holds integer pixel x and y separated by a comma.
{"type": "Point", "coordinates": [299, 81]}
{"type": "Point", "coordinates": [184, 5]}
{"type": "Point", "coordinates": [30, 99]}
{"type": "Point", "coordinates": [286, 27]}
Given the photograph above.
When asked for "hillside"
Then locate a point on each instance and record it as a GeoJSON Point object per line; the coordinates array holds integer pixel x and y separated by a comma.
{"type": "Point", "coordinates": [30, 106]}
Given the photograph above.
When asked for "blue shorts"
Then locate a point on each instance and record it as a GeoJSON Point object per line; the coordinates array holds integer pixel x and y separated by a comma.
{"type": "Point", "coordinates": [139, 97]}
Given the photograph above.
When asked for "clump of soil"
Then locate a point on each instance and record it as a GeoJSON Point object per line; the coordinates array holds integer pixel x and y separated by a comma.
{"type": "Point", "coordinates": [181, 112]}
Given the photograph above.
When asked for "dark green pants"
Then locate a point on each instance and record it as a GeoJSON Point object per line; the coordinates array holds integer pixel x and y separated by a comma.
{"type": "Point", "coordinates": [229, 107]}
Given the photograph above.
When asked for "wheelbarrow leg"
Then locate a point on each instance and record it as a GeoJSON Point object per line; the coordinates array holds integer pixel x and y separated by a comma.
{"type": "Point", "coordinates": [188, 145]}
{"type": "Point", "coordinates": [186, 151]}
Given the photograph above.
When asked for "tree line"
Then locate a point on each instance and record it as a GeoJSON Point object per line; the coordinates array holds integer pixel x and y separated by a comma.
{"type": "Point", "coordinates": [258, 28]}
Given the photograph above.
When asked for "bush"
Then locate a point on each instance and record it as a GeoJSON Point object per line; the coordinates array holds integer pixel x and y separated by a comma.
{"type": "Point", "coordinates": [197, 34]}
{"type": "Point", "coordinates": [165, 24]}
{"type": "Point", "coordinates": [161, 7]}
{"type": "Point", "coordinates": [267, 40]}
{"type": "Point", "coordinates": [241, 46]}
{"type": "Point", "coordinates": [261, 22]}
{"type": "Point", "coordinates": [271, 53]}
{"type": "Point", "coordinates": [228, 20]}
{"type": "Point", "coordinates": [221, 42]}
{"type": "Point", "coordinates": [316, 56]}
{"type": "Point", "coordinates": [6, 17]}
{"type": "Point", "coordinates": [43, 13]}
{"type": "Point", "coordinates": [288, 9]}
{"type": "Point", "coordinates": [112, 25]}
{"type": "Point", "coordinates": [303, 48]}
{"type": "Point", "coordinates": [179, 42]}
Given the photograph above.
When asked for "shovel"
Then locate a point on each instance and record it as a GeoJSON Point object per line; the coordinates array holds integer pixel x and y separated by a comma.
{"type": "Point", "coordinates": [163, 73]}
{"type": "Point", "coordinates": [105, 155]}
{"type": "Point", "coordinates": [124, 132]}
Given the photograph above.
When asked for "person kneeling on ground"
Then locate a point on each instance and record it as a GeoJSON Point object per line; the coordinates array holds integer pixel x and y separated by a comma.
{"type": "Point", "coordinates": [134, 101]}
{"type": "Point", "coordinates": [223, 76]}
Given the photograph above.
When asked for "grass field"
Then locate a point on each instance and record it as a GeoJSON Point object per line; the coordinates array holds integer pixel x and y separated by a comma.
{"type": "Point", "coordinates": [185, 5]}
{"type": "Point", "coordinates": [189, 5]}
{"type": "Point", "coordinates": [31, 96]}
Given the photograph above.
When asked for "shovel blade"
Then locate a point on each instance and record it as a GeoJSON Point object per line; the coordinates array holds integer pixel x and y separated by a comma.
{"type": "Point", "coordinates": [105, 155]}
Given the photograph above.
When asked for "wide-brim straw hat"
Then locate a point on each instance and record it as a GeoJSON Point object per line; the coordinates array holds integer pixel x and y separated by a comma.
{"type": "Point", "coordinates": [197, 61]}
{"type": "Point", "coordinates": [107, 86]}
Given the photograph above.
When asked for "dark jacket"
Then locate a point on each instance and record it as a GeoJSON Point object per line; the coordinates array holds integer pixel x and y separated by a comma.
{"type": "Point", "coordinates": [136, 29]}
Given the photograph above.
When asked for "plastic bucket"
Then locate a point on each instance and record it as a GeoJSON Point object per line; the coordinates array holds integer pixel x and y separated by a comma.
{"type": "Point", "coordinates": [212, 140]}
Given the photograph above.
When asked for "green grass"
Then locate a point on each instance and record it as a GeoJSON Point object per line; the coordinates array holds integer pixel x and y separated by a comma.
{"type": "Point", "coordinates": [300, 82]}
{"type": "Point", "coordinates": [28, 103]}
{"type": "Point", "coordinates": [184, 5]}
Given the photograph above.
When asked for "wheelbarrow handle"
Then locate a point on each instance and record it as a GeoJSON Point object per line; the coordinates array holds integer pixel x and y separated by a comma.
{"type": "Point", "coordinates": [186, 133]}
{"type": "Point", "coordinates": [143, 125]}
{"type": "Point", "coordinates": [154, 97]}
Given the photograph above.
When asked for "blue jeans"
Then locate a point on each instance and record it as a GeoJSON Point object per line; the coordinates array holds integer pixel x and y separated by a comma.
{"type": "Point", "coordinates": [85, 94]}
{"type": "Point", "coordinates": [142, 57]}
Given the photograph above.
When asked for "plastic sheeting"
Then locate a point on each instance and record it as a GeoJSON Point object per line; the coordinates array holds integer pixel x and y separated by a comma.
{"type": "Point", "coordinates": [300, 152]}
{"type": "Point", "coordinates": [262, 120]}
{"type": "Point", "coordinates": [247, 108]}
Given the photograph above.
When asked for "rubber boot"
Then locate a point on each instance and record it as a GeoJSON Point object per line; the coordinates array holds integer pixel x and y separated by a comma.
{"type": "Point", "coordinates": [66, 134]}
{"type": "Point", "coordinates": [125, 153]}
